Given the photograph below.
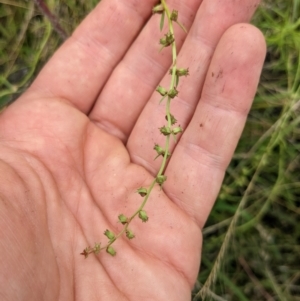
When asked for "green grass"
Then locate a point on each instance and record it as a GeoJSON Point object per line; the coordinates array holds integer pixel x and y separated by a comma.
{"type": "Point", "coordinates": [252, 238]}
{"type": "Point", "coordinates": [258, 207]}
{"type": "Point", "coordinates": [27, 40]}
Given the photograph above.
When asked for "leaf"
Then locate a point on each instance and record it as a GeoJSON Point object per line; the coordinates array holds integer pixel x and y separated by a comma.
{"type": "Point", "coordinates": [175, 139]}
{"type": "Point", "coordinates": [162, 99]}
{"type": "Point", "coordinates": [177, 81]}
{"type": "Point", "coordinates": [181, 26]}
{"type": "Point", "coordinates": [162, 21]}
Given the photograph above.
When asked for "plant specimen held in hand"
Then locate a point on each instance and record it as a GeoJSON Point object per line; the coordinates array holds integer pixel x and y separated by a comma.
{"type": "Point", "coordinates": [171, 129]}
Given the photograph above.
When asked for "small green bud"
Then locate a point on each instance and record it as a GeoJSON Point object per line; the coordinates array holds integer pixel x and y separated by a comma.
{"type": "Point", "coordinates": [129, 234]}
{"type": "Point", "coordinates": [163, 41]}
{"type": "Point", "coordinates": [110, 250]}
{"type": "Point", "coordinates": [170, 38]}
{"type": "Point", "coordinates": [123, 219]}
{"type": "Point", "coordinates": [173, 93]}
{"type": "Point", "coordinates": [167, 40]}
{"type": "Point", "coordinates": [158, 9]}
{"type": "Point", "coordinates": [143, 216]}
{"type": "Point", "coordinates": [142, 191]}
{"type": "Point", "coordinates": [160, 151]}
{"type": "Point", "coordinates": [97, 248]}
{"type": "Point", "coordinates": [109, 234]}
{"type": "Point", "coordinates": [177, 130]}
{"type": "Point", "coordinates": [165, 130]}
{"type": "Point", "coordinates": [180, 72]}
{"type": "Point", "coordinates": [183, 72]}
{"type": "Point", "coordinates": [174, 15]}
{"type": "Point", "coordinates": [162, 91]}
{"type": "Point", "coordinates": [161, 179]}
{"type": "Point", "coordinates": [173, 119]}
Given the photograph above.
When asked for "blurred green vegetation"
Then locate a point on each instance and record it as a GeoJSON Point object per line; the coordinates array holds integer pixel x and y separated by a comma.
{"type": "Point", "coordinates": [27, 39]}
{"type": "Point", "coordinates": [252, 238]}
{"type": "Point", "coordinates": [258, 206]}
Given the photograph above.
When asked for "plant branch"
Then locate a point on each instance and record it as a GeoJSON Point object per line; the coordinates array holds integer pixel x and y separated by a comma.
{"type": "Point", "coordinates": [167, 131]}
{"type": "Point", "coordinates": [52, 18]}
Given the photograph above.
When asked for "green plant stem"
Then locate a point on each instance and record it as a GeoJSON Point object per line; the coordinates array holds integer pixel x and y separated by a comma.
{"type": "Point", "coordinates": [172, 85]}
{"type": "Point", "coordinates": [52, 18]}
{"type": "Point", "coordinates": [167, 142]}
{"type": "Point", "coordinates": [174, 59]}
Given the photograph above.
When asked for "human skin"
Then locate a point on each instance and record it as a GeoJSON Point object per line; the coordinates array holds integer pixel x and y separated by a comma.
{"type": "Point", "coordinates": [79, 142]}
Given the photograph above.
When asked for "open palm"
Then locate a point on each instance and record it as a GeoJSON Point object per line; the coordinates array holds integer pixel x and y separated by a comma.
{"type": "Point", "coordinates": [78, 144]}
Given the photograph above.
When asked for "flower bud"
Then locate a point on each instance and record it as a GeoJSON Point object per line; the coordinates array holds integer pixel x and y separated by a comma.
{"type": "Point", "coordinates": [158, 9]}
{"type": "Point", "coordinates": [160, 151]}
{"type": "Point", "coordinates": [109, 234]}
{"type": "Point", "coordinates": [174, 15]}
{"type": "Point", "coordinates": [123, 219]}
{"type": "Point", "coordinates": [173, 93]}
{"type": "Point", "coordinates": [165, 130]}
{"type": "Point", "coordinates": [143, 215]}
{"type": "Point", "coordinates": [170, 38]}
{"type": "Point", "coordinates": [161, 179]}
{"type": "Point", "coordinates": [163, 41]}
{"type": "Point", "coordinates": [97, 248]}
{"type": "Point", "coordinates": [182, 72]}
{"type": "Point", "coordinates": [162, 91]}
{"type": "Point", "coordinates": [110, 250]}
{"type": "Point", "coordinates": [173, 119]}
{"type": "Point", "coordinates": [129, 234]}
{"type": "Point", "coordinates": [142, 191]}
{"type": "Point", "coordinates": [177, 130]}
{"type": "Point", "coordinates": [167, 40]}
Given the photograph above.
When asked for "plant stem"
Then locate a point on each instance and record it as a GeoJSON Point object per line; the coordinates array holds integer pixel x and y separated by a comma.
{"type": "Point", "coordinates": [52, 18]}
{"type": "Point", "coordinates": [167, 142]}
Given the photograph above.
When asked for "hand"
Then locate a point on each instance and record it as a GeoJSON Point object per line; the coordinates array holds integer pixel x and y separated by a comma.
{"type": "Point", "coordinates": [78, 143]}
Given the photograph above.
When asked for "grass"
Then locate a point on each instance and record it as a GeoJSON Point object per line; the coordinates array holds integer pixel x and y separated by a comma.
{"type": "Point", "coordinates": [27, 39]}
{"type": "Point", "coordinates": [257, 211]}
{"type": "Point", "coordinates": [252, 238]}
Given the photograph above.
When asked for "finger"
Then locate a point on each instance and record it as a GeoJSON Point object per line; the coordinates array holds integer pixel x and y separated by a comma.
{"type": "Point", "coordinates": [133, 81]}
{"type": "Point", "coordinates": [198, 165]}
{"type": "Point", "coordinates": [212, 19]}
{"type": "Point", "coordinates": [79, 69]}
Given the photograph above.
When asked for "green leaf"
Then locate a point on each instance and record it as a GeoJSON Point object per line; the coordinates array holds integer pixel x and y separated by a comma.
{"type": "Point", "coordinates": [181, 26]}
{"type": "Point", "coordinates": [162, 99]}
{"type": "Point", "coordinates": [177, 80]}
{"type": "Point", "coordinates": [162, 21]}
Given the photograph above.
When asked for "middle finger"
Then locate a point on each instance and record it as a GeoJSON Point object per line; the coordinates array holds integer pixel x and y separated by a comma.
{"type": "Point", "coordinates": [134, 79]}
{"type": "Point", "coordinates": [212, 20]}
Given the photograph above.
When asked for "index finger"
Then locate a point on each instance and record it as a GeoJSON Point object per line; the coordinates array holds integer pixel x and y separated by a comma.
{"type": "Point", "coordinates": [79, 69]}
